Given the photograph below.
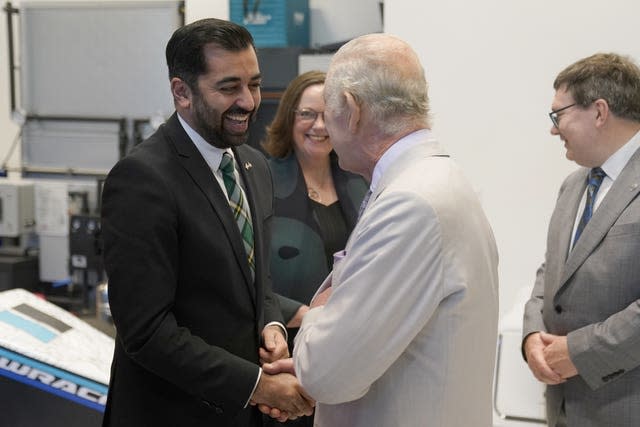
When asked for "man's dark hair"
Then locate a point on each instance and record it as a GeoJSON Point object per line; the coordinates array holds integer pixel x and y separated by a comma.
{"type": "Point", "coordinates": [184, 52]}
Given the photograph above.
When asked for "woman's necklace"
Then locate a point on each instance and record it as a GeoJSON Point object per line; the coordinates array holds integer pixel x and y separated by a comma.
{"type": "Point", "coordinates": [314, 194]}
{"type": "Point", "coordinates": [315, 190]}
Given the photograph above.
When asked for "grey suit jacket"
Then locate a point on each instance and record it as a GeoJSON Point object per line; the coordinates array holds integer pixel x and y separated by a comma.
{"type": "Point", "coordinates": [592, 295]}
{"type": "Point", "coordinates": [408, 336]}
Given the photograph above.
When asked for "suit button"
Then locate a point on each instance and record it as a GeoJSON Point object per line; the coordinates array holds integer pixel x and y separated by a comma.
{"type": "Point", "coordinates": [219, 411]}
{"type": "Point", "coordinates": [558, 309]}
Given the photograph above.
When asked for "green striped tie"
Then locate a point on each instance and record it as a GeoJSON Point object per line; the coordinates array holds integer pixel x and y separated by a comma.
{"type": "Point", "coordinates": [239, 207]}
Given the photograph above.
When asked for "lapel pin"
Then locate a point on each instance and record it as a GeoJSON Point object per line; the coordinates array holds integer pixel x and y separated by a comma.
{"type": "Point", "coordinates": [248, 165]}
{"type": "Point", "coordinates": [633, 187]}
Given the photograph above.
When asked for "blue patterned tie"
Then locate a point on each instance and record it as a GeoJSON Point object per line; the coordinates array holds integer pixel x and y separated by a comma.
{"type": "Point", "coordinates": [239, 207]}
{"type": "Point", "coordinates": [593, 185]}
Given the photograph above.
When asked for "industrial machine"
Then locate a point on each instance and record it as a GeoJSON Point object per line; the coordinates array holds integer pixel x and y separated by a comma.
{"type": "Point", "coordinates": [18, 240]}
{"type": "Point", "coordinates": [85, 261]}
{"type": "Point", "coordinates": [17, 218]}
{"type": "Point", "coordinates": [69, 143]}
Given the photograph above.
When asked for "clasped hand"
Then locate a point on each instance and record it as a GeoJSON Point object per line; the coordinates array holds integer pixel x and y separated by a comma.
{"type": "Point", "coordinates": [296, 403]}
{"type": "Point", "coordinates": [278, 393]}
{"type": "Point", "coordinates": [548, 358]}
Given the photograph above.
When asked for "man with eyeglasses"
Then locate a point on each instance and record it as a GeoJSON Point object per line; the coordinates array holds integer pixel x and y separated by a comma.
{"type": "Point", "coordinates": [581, 332]}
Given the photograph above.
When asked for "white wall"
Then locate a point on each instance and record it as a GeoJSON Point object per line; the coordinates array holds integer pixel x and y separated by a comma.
{"type": "Point", "coordinates": [198, 9]}
{"type": "Point", "coordinates": [491, 66]}
{"type": "Point", "coordinates": [335, 21]}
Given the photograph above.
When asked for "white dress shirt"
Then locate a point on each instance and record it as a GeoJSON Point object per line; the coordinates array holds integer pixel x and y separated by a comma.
{"type": "Point", "coordinates": [212, 155]}
{"type": "Point", "coordinates": [612, 167]}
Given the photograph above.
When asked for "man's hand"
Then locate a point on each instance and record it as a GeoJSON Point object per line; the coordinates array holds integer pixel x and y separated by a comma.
{"type": "Point", "coordinates": [296, 320]}
{"type": "Point", "coordinates": [274, 344]}
{"type": "Point", "coordinates": [556, 353]}
{"type": "Point", "coordinates": [279, 366]}
{"type": "Point", "coordinates": [534, 348]}
{"type": "Point", "coordinates": [281, 396]}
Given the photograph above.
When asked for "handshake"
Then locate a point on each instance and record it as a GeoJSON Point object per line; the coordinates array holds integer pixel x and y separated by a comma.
{"type": "Point", "coordinates": [279, 394]}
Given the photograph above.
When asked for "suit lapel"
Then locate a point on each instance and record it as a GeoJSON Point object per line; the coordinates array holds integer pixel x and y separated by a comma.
{"type": "Point", "coordinates": [195, 165]}
{"type": "Point", "coordinates": [622, 192]}
{"type": "Point", "coordinates": [566, 214]}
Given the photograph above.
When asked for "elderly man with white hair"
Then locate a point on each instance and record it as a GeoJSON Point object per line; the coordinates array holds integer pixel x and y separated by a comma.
{"type": "Point", "coordinates": [403, 331]}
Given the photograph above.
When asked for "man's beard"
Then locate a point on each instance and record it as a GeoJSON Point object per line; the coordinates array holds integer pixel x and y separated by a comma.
{"type": "Point", "coordinates": [209, 124]}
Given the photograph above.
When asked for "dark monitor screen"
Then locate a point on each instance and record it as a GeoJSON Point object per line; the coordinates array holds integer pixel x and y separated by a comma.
{"type": "Point", "coordinates": [264, 117]}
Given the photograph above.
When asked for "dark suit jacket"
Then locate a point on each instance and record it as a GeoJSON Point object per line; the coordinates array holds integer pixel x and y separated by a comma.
{"type": "Point", "coordinates": [298, 261]}
{"type": "Point", "coordinates": [187, 314]}
{"type": "Point", "coordinates": [592, 295]}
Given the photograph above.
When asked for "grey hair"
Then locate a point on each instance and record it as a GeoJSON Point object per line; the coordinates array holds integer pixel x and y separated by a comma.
{"type": "Point", "coordinates": [383, 74]}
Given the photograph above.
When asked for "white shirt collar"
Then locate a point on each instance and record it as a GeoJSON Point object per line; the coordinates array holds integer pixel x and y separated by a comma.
{"type": "Point", "coordinates": [388, 157]}
{"type": "Point", "coordinates": [212, 155]}
{"type": "Point", "coordinates": [618, 160]}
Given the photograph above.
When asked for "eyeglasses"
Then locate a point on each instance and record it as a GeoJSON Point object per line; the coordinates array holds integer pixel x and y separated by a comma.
{"type": "Point", "coordinates": [308, 115]}
{"type": "Point", "coordinates": [554, 114]}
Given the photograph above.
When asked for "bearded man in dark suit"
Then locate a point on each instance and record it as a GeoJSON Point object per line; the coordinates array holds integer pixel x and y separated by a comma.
{"type": "Point", "coordinates": [186, 242]}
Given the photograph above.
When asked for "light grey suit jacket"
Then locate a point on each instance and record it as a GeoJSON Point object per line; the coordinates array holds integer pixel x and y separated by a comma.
{"type": "Point", "coordinates": [593, 296]}
{"type": "Point", "coordinates": [408, 336]}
